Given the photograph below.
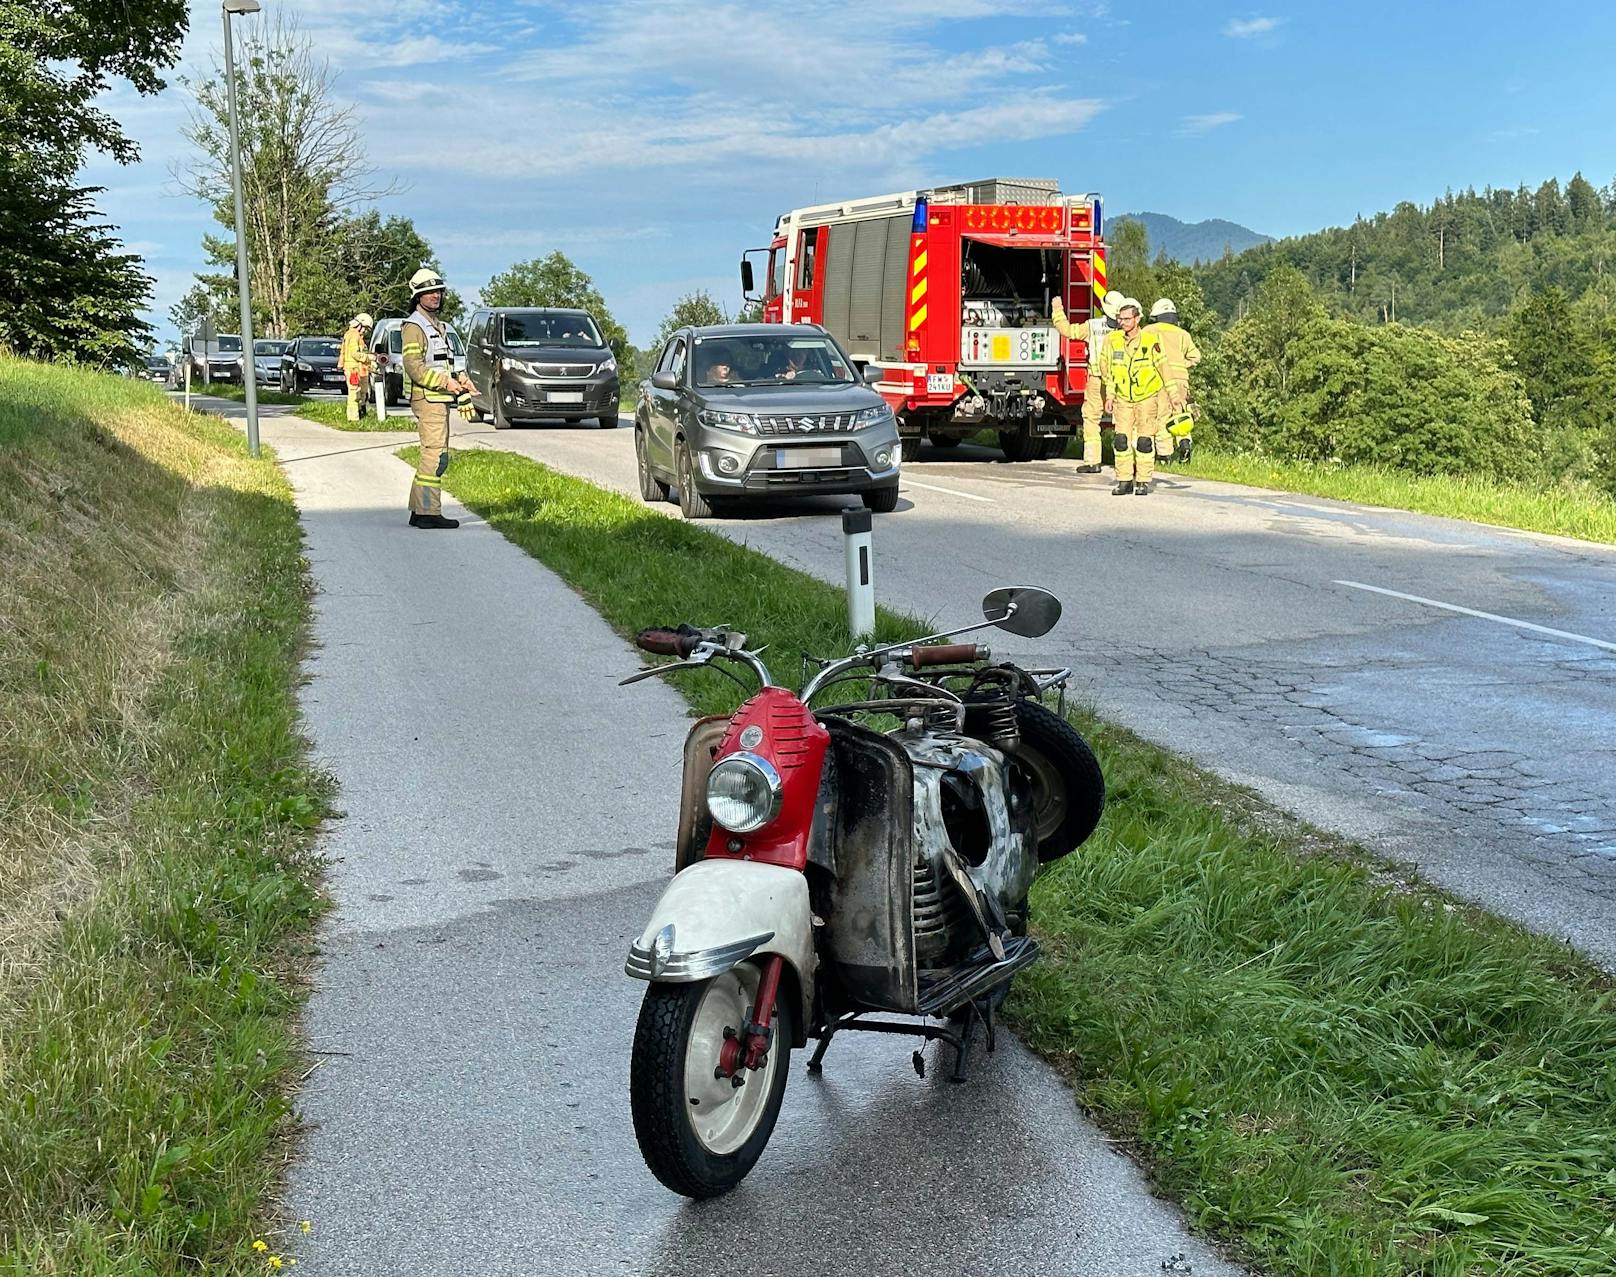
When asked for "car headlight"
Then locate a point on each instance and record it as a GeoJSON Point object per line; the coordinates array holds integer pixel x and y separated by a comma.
{"type": "Point", "coordinates": [518, 365]}
{"type": "Point", "coordinates": [743, 793]}
{"type": "Point", "coordinates": [609, 364]}
{"type": "Point", "coordinates": [744, 422]}
{"type": "Point", "coordinates": [871, 417]}
{"type": "Point", "coordinates": [303, 367]}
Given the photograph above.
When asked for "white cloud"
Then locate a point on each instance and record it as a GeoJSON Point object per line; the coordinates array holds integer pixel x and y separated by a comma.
{"type": "Point", "coordinates": [1070, 37]}
{"type": "Point", "coordinates": [1250, 27]}
{"type": "Point", "coordinates": [1198, 124]}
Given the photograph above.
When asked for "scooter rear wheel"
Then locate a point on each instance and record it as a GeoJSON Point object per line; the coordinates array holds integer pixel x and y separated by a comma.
{"type": "Point", "coordinates": [1068, 787]}
{"type": "Point", "coordinates": [698, 1133]}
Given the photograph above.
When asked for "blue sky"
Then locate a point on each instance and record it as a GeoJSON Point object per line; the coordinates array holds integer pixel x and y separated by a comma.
{"type": "Point", "coordinates": [653, 141]}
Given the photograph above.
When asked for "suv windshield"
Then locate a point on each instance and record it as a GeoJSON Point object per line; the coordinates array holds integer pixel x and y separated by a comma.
{"type": "Point", "coordinates": [269, 347]}
{"type": "Point", "coordinates": [323, 348]}
{"type": "Point", "coordinates": [550, 330]}
{"type": "Point", "coordinates": [771, 360]}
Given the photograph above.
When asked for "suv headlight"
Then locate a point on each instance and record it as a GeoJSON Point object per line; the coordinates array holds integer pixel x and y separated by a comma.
{"type": "Point", "coordinates": [744, 793]}
{"type": "Point", "coordinates": [744, 422]}
{"type": "Point", "coordinates": [871, 417]}
{"type": "Point", "coordinates": [303, 367]}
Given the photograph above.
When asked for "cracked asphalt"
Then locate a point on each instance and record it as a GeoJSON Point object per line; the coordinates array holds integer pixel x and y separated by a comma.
{"type": "Point", "coordinates": [507, 820]}
{"type": "Point", "coordinates": [1219, 622]}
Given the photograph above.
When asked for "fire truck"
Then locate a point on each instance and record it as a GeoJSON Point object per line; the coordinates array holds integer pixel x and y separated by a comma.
{"type": "Point", "coordinates": [947, 291]}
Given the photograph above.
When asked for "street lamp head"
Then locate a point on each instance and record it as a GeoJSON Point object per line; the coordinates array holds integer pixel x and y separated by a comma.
{"type": "Point", "coordinates": [241, 6]}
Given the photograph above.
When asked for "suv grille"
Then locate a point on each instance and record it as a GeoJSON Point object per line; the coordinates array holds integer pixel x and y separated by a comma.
{"type": "Point", "coordinates": [563, 370]}
{"type": "Point", "coordinates": [809, 423]}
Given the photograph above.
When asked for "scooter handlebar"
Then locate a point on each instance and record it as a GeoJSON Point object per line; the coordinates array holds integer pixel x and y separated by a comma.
{"type": "Point", "coordinates": [922, 655]}
{"type": "Point", "coordinates": [667, 642]}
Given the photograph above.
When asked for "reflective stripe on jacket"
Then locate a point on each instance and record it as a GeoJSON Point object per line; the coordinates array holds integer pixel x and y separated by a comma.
{"type": "Point", "coordinates": [428, 361]}
{"type": "Point", "coordinates": [1132, 369]}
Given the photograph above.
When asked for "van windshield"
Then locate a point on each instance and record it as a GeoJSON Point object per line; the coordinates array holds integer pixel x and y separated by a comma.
{"type": "Point", "coordinates": [550, 330]}
{"type": "Point", "coordinates": [227, 345]}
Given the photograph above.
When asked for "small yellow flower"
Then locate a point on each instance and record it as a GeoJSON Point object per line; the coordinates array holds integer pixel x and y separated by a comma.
{"type": "Point", "coordinates": [260, 1245]}
{"type": "Point", "coordinates": [274, 1261]}
{"type": "Point", "coordinates": [306, 1226]}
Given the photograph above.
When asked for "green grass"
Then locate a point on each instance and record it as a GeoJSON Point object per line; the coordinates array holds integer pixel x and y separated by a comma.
{"type": "Point", "coordinates": [334, 413]}
{"type": "Point", "coordinates": [229, 390]}
{"type": "Point", "coordinates": [157, 881]}
{"type": "Point", "coordinates": [1333, 1069]}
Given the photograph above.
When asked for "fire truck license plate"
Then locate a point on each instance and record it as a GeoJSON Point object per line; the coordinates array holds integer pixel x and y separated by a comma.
{"type": "Point", "coordinates": [806, 458]}
{"type": "Point", "coordinates": [940, 383]}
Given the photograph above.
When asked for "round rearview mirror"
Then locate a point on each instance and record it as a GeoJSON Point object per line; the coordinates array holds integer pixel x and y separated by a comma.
{"type": "Point", "coordinates": [1022, 609]}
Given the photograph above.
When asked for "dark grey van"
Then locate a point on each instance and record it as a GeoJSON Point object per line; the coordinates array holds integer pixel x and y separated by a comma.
{"type": "Point", "coordinates": [541, 362]}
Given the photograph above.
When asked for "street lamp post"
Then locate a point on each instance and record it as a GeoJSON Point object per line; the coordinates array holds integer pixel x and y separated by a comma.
{"type": "Point", "coordinates": [249, 372]}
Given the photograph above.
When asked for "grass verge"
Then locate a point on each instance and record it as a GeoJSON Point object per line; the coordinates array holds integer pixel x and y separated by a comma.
{"type": "Point", "coordinates": [230, 390]}
{"type": "Point", "coordinates": [1334, 1069]}
{"type": "Point", "coordinates": [156, 876]}
{"type": "Point", "coordinates": [334, 413]}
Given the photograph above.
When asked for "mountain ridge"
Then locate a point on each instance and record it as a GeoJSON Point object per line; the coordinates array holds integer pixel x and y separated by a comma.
{"type": "Point", "coordinates": [1194, 242]}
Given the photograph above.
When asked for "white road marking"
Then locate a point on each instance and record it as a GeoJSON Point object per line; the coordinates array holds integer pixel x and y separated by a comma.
{"type": "Point", "coordinates": [1486, 616]}
{"type": "Point", "coordinates": [953, 492]}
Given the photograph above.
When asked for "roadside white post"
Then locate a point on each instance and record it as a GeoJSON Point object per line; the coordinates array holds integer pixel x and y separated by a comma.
{"type": "Point", "coordinates": [187, 376]}
{"type": "Point", "coordinates": [249, 371]}
{"type": "Point", "coordinates": [378, 395]}
{"type": "Point", "coordinates": [856, 525]}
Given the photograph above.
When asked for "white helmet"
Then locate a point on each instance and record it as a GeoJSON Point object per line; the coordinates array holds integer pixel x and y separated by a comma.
{"type": "Point", "coordinates": [1163, 306]}
{"type": "Point", "coordinates": [1127, 303]}
{"type": "Point", "coordinates": [1110, 303]}
{"type": "Point", "coordinates": [426, 280]}
{"type": "Point", "coordinates": [363, 320]}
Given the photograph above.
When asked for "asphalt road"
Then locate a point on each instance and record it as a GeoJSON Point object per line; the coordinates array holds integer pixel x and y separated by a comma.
{"type": "Point", "coordinates": [507, 823]}
{"type": "Point", "coordinates": [1329, 655]}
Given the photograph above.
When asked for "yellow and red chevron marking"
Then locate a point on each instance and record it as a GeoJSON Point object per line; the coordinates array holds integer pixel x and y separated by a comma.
{"type": "Point", "coordinates": [917, 283]}
{"type": "Point", "coordinates": [1099, 274]}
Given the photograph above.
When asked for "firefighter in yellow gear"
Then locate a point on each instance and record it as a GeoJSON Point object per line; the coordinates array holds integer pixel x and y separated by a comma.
{"type": "Point", "coordinates": [1093, 334]}
{"type": "Point", "coordinates": [354, 360]}
{"type": "Point", "coordinates": [1179, 355]}
{"type": "Point", "coordinates": [1136, 398]}
{"type": "Point", "coordinates": [433, 387]}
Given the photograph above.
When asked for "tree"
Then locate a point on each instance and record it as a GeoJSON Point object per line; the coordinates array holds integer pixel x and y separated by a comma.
{"type": "Point", "coordinates": [693, 308]}
{"type": "Point", "coordinates": [302, 164]}
{"type": "Point", "coordinates": [556, 281]}
{"type": "Point", "coordinates": [202, 302]}
{"type": "Point", "coordinates": [70, 292]}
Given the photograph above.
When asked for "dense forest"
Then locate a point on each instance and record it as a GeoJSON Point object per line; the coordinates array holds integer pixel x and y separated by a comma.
{"type": "Point", "coordinates": [1476, 334]}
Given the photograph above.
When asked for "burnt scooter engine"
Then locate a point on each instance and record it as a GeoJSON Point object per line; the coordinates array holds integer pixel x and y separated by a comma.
{"type": "Point", "coordinates": [968, 798]}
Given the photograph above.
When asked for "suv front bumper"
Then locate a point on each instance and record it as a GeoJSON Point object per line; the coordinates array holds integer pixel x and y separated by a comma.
{"type": "Point", "coordinates": [831, 465]}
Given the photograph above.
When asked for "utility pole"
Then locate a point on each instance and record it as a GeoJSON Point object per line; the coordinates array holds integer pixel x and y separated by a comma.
{"type": "Point", "coordinates": [249, 371]}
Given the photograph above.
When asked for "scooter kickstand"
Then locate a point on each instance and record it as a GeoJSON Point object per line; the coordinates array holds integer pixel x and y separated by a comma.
{"type": "Point", "coordinates": [966, 1030]}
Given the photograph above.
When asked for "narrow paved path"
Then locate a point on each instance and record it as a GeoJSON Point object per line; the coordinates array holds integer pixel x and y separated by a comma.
{"type": "Point", "coordinates": [1309, 648]}
{"type": "Point", "coordinates": [507, 824]}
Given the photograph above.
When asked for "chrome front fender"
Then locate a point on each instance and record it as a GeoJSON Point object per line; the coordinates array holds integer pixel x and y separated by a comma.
{"type": "Point", "coordinates": [718, 913]}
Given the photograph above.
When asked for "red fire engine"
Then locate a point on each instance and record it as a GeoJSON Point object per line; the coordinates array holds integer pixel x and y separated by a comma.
{"type": "Point", "coordinates": [948, 292]}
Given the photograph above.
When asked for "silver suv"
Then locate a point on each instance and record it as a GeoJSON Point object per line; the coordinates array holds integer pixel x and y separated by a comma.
{"type": "Point", "coordinates": [762, 410]}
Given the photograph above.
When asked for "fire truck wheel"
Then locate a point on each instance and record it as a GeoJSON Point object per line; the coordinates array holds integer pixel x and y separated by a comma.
{"type": "Point", "coordinates": [945, 441]}
{"type": "Point", "coordinates": [911, 447]}
{"type": "Point", "coordinates": [691, 503]}
{"type": "Point", "coordinates": [881, 500]}
{"type": "Point", "coordinates": [1052, 447]}
{"type": "Point", "coordinates": [1018, 445]}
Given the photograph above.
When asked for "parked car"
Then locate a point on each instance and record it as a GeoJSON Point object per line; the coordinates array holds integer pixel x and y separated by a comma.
{"type": "Point", "coordinates": [221, 361]}
{"type": "Point", "coordinates": [152, 368]}
{"type": "Point", "coordinates": [308, 362]}
{"type": "Point", "coordinates": [387, 359]}
{"type": "Point", "coordinates": [267, 359]}
{"type": "Point", "coordinates": [753, 410]}
{"type": "Point", "coordinates": [530, 362]}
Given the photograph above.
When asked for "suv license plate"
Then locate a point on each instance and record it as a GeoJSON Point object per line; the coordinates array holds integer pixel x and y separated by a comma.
{"type": "Point", "coordinates": [806, 458]}
{"type": "Point", "coordinates": [563, 396]}
{"type": "Point", "coordinates": [940, 383]}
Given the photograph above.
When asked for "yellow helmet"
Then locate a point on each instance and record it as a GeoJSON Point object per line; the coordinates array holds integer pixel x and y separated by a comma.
{"type": "Point", "coordinates": [426, 280]}
{"type": "Point", "coordinates": [1180, 424]}
{"type": "Point", "coordinates": [363, 320]}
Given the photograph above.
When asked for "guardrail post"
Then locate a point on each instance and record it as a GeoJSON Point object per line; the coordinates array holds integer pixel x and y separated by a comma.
{"type": "Point", "coordinates": [856, 525]}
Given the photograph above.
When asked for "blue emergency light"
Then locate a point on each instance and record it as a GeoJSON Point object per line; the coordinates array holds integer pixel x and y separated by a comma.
{"type": "Point", "coordinates": [920, 217]}
{"type": "Point", "coordinates": [1099, 218]}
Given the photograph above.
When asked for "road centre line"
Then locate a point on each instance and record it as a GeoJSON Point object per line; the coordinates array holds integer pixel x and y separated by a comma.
{"type": "Point", "coordinates": [1486, 616]}
{"type": "Point", "coordinates": [953, 492]}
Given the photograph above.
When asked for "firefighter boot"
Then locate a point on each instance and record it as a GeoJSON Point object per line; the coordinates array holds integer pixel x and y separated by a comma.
{"type": "Point", "coordinates": [1124, 488]}
{"type": "Point", "coordinates": [432, 521]}
{"type": "Point", "coordinates": [1141, 487]}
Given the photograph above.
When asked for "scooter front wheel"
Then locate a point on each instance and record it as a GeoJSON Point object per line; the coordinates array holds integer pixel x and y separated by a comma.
{"type": "Point", "coordinates": [699, 1133]}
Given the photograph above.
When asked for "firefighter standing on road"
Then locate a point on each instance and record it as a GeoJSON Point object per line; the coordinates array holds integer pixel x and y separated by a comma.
{"type": "Point", "coordinates": [1179, 355]}
{"type": "Point", "coordinates": [1093, 334]}
{"type": "Point", "coordinates": [355, 363]}
{"type": "Point", "coordinates": [434, 387]}
{"type": "Point", "coordinates": [1136, 398]}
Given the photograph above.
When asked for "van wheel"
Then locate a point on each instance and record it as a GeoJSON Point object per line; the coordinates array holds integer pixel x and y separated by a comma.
{"type": "Point", "coordinates": [609, 422]}
{"type": "Point", "coordinates": [501, 421]}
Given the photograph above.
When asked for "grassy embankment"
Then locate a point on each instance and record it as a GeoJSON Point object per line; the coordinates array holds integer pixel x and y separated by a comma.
{"type": "Point", "coordinates": [156, 874]}
{"type": "Point", "coordinates": [1584, 513]}
{"type": "Point", "coordinates": [230, 390]}
{"type": "Point", "coordinates": [1336, 1070]}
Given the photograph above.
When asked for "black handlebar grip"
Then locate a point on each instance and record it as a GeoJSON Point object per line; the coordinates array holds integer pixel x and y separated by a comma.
{"type": "Point", "coordinates": [946, 654]}
{"type": "Point", "coordinates": [666, 642]}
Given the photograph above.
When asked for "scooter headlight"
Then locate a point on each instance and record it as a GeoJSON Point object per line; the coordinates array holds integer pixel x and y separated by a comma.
{"type": "Point", "coordinates": [744, 793]}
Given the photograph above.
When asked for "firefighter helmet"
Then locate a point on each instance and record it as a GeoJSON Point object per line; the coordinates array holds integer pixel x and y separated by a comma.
{"type": "Point", "coordinates": [1111, 302]}
{"type": "Point", "coordinates": [1180, 424]}
{"type": "Point", "coordinates": [1128, 303]}
{"type": "Point", "coordinates": [426, 280]}
{"type": "Point", "coordinates": [1163, 306]}
{"type": "Point", "coordinates": [363, 320]}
